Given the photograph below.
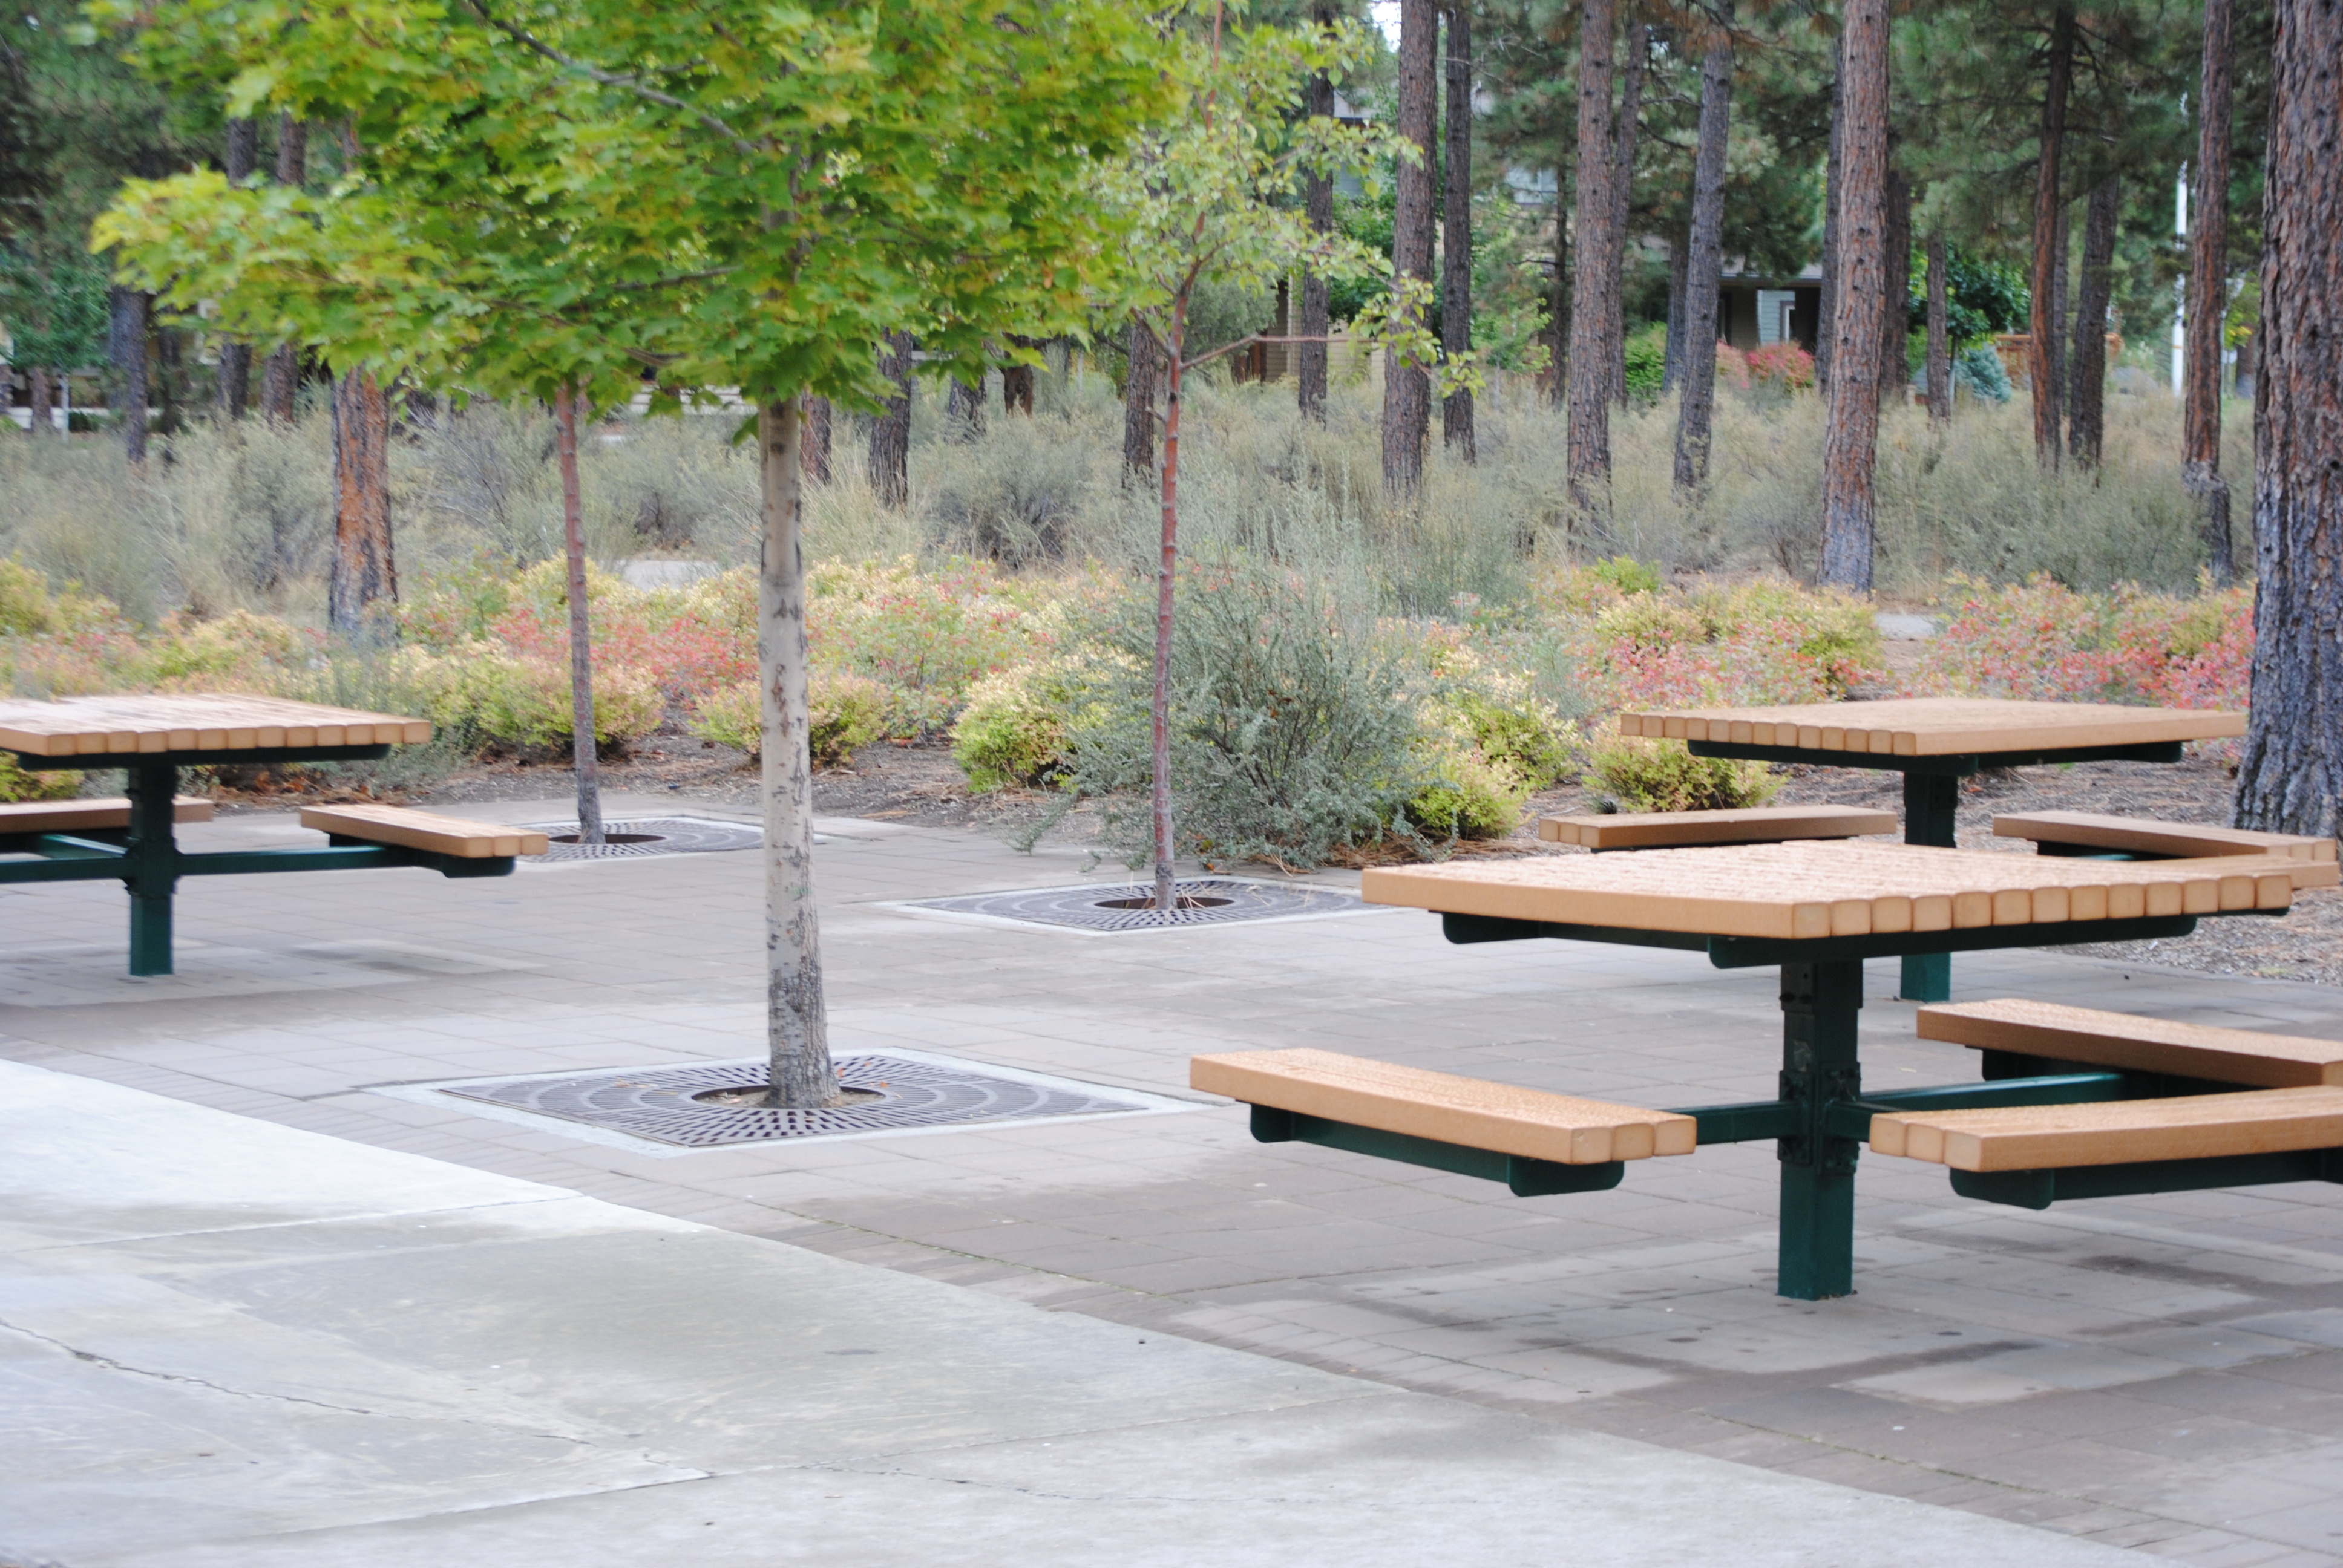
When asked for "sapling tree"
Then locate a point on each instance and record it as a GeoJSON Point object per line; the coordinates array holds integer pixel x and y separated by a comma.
{"type": "Point", "coordinates": [784, 188]}
{"type": "Point", "coordinates": [1216, 191]}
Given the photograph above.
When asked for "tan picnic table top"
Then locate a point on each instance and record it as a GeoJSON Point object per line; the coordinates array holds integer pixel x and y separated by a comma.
{"type": "Point", "coordinates": [91, 726]}
{"type": "Point", "coordinates": [1848, 887]}
{"type": "Point", "coordinates": [1936, 726]}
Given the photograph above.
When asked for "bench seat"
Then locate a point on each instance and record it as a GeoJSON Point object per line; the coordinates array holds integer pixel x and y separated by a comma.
{"type": "Point", "coordinates": [453, 836]}
{"type": "Point", "coordinates": [88, 816]}
{"type": "Point", "coordinates": [2116, 1133]}
{"type": "Point", "coordinates": [2118, 1040]}
{"type": "Point", "coordinates": [1755, 825]}
{"type": "Point", "coordinates": [1443, 1108]}
{"type": "Point", "coordinates": [2082, 833]}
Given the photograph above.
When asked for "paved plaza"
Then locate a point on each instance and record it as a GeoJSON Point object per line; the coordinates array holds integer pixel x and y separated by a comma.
{"type": "Point", "coordinates": [2159, 1373]}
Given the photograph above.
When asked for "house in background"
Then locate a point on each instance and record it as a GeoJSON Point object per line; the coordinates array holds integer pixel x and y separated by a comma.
{"type": "Point", "coordinates": [1754, 311]}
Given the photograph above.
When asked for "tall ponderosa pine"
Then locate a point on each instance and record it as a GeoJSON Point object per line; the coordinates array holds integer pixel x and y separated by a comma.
{"type": "Point", "coordinates": [2290, 775]}
{"type": "Point", "coordinates": [1623, 193]}
{"type": "Point", "coordinates": [1588, 397]}
{"type": "Point", "coordinates": [1895, 286]}
{"type": "Point", "coordinates": [1704, 256]}
{"type": "Point", "coordinates": [890, 432]}
{"type": "Point", "coordinates": [1834, 176]}
{"type": "Point", "coordinates": [234, 370]}
{"type": "Point", "coordinates": [363, 569]}
{"type": "Point", "coordinates": [814, 444]}
{"type": "Point", "coordinates": [281, 381]}
{"type": "Point", "coordinates": [1456, 226]}
{"type": "Point", "coordinates": [1407, 386]}
{"type": "Point", "coordinates": [2087, 364]}
{"type": "Point", "coordinates": [1940, 353]}
{"type": "Point", "coordinates": [2044, 321]}
{"type": "Point", "coordinates": [1850, 436]}
{"type": "Point", "coordinates": [1318, 207]}
{"type": "Point", "coordinates": [2208, 290]}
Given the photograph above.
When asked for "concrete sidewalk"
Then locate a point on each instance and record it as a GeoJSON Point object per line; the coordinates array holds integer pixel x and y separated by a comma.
{"type": "Point", "coordinates": [224, 1341]}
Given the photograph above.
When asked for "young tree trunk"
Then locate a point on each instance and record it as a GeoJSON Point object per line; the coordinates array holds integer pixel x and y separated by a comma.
{"type": "Point", "coordinates": [1407, 389]}
{"type": "Point", "coordinates": [1318, 208]}
{"type": "Point", "coordinates": [127, 349]}
{"type": "Point", "coordinates": [2208, 295]}
{"type": "Point", "coordinates": [1167, 560]}
{"type": "Point", "coordinates": [1833, 167]}
{"type": "Point", "coordinates": [2291, 774]}
{"type": "Point", "coordinates": [1457, 229]}
{"type": "Point", "coordinates": [890, 433]}
{"type": "Point", "coordinates": [2086, 392]}
{"type": "Point", "coordinates": [1671, 354]}
{"type": "Point", "coordinates": [282, 379]}
{"type": "Point", "coordinates": [964, 411]}
{"type": "Point", "coordinates": [1622, 191]}
{"type": "Point", "coordinates": [1940, 347]}
{"type": "Point", "coordinates": [2042, 324]}
{"type": "Point", "coordinates": [1851, 437]}
{"type": "Point", "coordinates": [796, 1022]}
{"type": "Point", "coordinates": [363, 569]}
{"type": "Point", "coordinates": [44, 400]}
{"type": "Point", "coordinates": [813, 445]}
{"type": "Point", "coordinates": [1705, 257]}
{"type": "Point", "coordinates": [582, 732]}
{"type": "Point", "coordinates": [1589, 412]}
{"type": "Point", "coordinates": [234, 370]}
{"type": "Point", "coordinates": [1896, 290]}
{"type": "Point", "coordinates": [1138, 399]}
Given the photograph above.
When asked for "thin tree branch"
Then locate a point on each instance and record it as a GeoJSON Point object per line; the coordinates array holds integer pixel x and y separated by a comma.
{"type": "Point", "coordinates": [529, 41]}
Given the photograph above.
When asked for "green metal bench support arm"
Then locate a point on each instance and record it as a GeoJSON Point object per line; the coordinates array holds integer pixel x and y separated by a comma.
{"type": "Point", "coordinates": [1528, 1178]}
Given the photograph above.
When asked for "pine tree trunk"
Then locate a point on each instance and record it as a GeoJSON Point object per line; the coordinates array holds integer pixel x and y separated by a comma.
{"type": "Point", "coordinates": [1318, 208]}
{"type": "Point", "coordinates": [1940, 346]}
{"type": "Point", "coordinates": [2042, 324]}
{"type": "Point", "coordinates": [1705, 257]}
{"type": "Point", "coordinates": [890, 433]}
{"type": "Point", "coordinates": [1671, 354]}
{"type": "Point", "coordinates": [235, 369]}
{"type": "Point", "coordinates": [1457, 229]}
{"type": "Point", "coordinates": [1556, 377]}
{"type": "Point", "coordinates": [1407, 389]}
{"type": "Point", "coordinates": [1622, 191]}
{"type": "Point", "coordinates": [2290, 776]}
{"type": "Point", "coordinates": [582, 732]}
{"type": "Point", "coordinates": [1896, 291]}
{"type": "Point", "coordinates": [1016, 385]}
{"type": "Point", "coordinates": [363, 569]}
{"type": "Point", "coordinates": [127, 350]}
{"type": "Point", "coordinates": [2208, 295]}
{"type": "Point", "coordinates": [796, 1022]}
{"type": "Point", "coordinates": [1139, 400]}
{"type": "Point", "coordinates": [964, 411]}
{"type": "Point", "coordinates": [813, 442]}
{"type": "Point", "coordinates": [282, 380]}
{"type": "Point", "coordinates": [1589, 372]}
{"type": "Point", "coordinates": [1833, 167]}
{"type": "Point", "coordinates": [1851, 439]}
{"type": "Point", "coordinates": [43, 400]}
{"type": "Point", "coordinates": [2086, 392]}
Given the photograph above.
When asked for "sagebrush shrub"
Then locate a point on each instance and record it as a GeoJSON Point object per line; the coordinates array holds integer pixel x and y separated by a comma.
{"type": "Point", "coordinates": [1628, 773]}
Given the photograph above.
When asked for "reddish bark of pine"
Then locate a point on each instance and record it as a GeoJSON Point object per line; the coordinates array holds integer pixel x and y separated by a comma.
{"type": "Point", "coordinates": [1318, 207]}
{"type": "Point", "coordinates": [363, 569]}
{"type": "Point", "coordinates": [2042, 324]}
{"type": "Point", "coordinates": [1851, 439]}
{"type": "Point", "coordinates": [2208, 294]}
{"type": "Point", "coordinates": [282, 378]}
{"type": "Point", "coordinates": [2086, 404]}
{"type": "Point", "coordinates": [1896, 290]}
{"type": "Point", "coordinates": [2290, 776]}
{"type": "Point", "coordinates": [813, 449]}
{"type": "Point", "coordinates": [1457, 229]}
{"type": "Point", "coordinates": [1407, 389]}
{"type": "Point", "coordinates": [1705, 258]}
{"type": "Point", "coordinates": [890, 433]}
{"type": "Point", "coordinates": [1622, 191]}
{"type": "Point", "coordinates": [1588, 417]}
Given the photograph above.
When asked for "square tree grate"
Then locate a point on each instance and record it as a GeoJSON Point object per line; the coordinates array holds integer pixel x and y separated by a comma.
{"type": "Point", "coordinates": [1129, 905]}
{"type": "Point", "coordinates": [913, 1093]}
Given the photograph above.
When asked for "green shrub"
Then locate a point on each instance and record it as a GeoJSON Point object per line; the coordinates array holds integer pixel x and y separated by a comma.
{"type": "Point", "coordinates": [501, 700]}
{"type": "Point", "coordinates": [1472, 796]}
{"type": "Point", "coordinates": [1629, 774]}
{"type": "Point", "coordinates": [1626, 574]}
{"type": "Point", "coordinates": [844, 713]}
{"type": "Point", "coordinates": [1013, 728]}
{"type": "Point", "coordinates": [1647, 356]}
{"type": "Point", "coordinates": [47, 784]}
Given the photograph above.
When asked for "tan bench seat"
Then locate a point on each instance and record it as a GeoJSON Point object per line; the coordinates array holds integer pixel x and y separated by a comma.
{"type": "Point", "coordinates": [455, 836]}
{"type": "Point", "coordinates": [2116, 1133]}
{"type": "Point", "coordinates": [2142, 1044]}
{"type": "Point", "coordinates": [2175, 841]}
{"type": "Point", "coordinates": [1443, 1108]}
{"type": "Point", "coordinates": [1757, 825]}
{"type": "Point", "coordinates": [83, 816]}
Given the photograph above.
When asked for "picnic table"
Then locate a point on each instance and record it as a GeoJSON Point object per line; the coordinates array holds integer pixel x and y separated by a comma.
{"type": "Point", "coordinates": [1817, 910]}
{"type": "Point", "coordinates": [152, 738]}
{"type": "Point", "coordinates": [1935, 742]}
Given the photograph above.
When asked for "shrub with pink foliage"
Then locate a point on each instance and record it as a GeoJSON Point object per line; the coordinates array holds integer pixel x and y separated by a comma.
{"type": "Point", "coordinates": [1783, 365]}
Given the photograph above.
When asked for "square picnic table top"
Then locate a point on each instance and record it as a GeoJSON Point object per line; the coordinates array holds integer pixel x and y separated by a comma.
{"type": "Point", "coordinates": [1936, 726]}
{"type": "Point", "coordinates": [184, 722]}
{"type": "Point", "coordinates": [1808, 892]}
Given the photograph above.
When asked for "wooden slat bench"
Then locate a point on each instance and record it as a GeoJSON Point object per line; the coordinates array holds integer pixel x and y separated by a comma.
{"type": "Point", "coordinates": [454, 836]}
{"type": "Point", "coordinates": [1676, 830]}
{"type": "Point", "coordinates": [102, 814]}
{"type": "Point", "coordinates": [2052, 1033]}
{"type": "Point", "coordinates": [2082, 833]}
{"type": "Point", "coordinates": [1533, 1142]}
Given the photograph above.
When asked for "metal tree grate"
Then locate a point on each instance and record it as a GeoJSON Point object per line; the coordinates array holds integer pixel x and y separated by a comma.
{"type": "Point", "coordinates": [652, 835]}
{"type": "Point", "coordinates": [913, 1093]}
{"type": "Point", "coordinates": [1126, 906]}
